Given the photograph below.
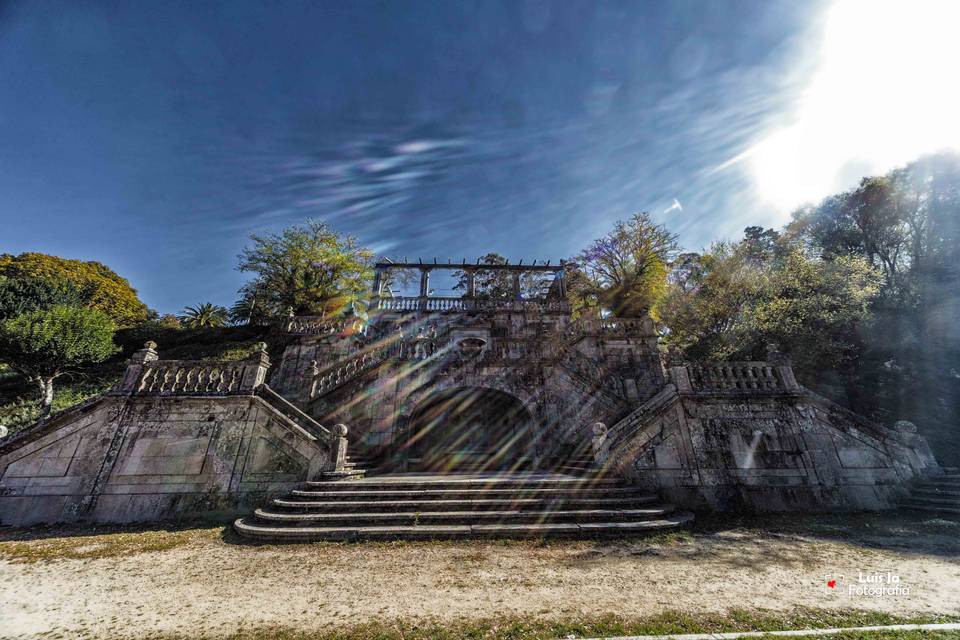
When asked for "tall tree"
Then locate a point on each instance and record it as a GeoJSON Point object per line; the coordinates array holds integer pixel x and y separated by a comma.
{"type": "Point", "coordinates": [307, 268]}
{"type": "Point", "coordinates": [98, 286]}
{"type": "Point", "coordinates": [627, 268]}
{"type": "Point", "coordinates": [204, 315]}
{"type": "Point", "coordinates": [45, 344]}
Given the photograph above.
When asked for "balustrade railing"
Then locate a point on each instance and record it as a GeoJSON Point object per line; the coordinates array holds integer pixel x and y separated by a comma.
{"type": "Point", "coordinates": [349, 368]}
{"type": "Point", "coordinates": [738, 376]}
{"type": "Point", "coordinates": [319, 325]}
{"type": "Point", "coordinates": [176, 377]}
{"type": "Point", "coordinates": [447, 304]}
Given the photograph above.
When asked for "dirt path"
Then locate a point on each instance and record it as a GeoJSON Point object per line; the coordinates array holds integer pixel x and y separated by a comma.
{"type": "Point", "coordinates": [207, 584]}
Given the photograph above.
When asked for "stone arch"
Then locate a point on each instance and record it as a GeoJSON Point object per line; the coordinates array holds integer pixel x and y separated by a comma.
{"type": "Point", "coordinates": [469, 428]}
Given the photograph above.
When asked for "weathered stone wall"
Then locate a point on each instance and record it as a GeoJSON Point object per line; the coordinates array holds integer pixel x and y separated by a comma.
{"type": "Point", "coordinates": [765, 450]}
{"type": "Point", "coordinates": [145, 458]}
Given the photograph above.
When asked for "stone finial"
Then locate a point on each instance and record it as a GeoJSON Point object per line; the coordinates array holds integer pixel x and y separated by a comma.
{"type": "Point", "coordinates": [147, 354]}
{"type": "Point", "coordinates": [905, 427]}
{"type": "Point", "coordinates": [314, 368]}
{"type": "Point", "coordinates": [340, 430]}
{"type": "Point", "coordinates": [775, 355]}
{"type": "Point", "coordinates": [260, 347]}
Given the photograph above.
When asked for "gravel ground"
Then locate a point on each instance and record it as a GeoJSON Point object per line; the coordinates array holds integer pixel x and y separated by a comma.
{"type": "Point", "coordinates": [202, 580]}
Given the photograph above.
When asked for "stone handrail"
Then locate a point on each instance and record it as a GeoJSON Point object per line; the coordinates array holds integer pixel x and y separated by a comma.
{"type": "Point", "coordinates": [734, 377]}
{"type": "Point", "coordinates": [342, 371]}
{"type": "Point", "coordinates": [290, 410]}
{"type": "Point", "coordinates": [442, 304]}
{"type": "Point", "coordinates": [318, 325]}
{"type": "Point", "coordinates": [147, 375]}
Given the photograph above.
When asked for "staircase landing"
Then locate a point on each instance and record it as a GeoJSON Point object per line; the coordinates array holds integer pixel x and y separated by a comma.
{"type": "Point", "coordinates": [468, 505]}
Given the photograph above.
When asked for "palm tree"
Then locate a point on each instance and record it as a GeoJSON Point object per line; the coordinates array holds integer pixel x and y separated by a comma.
{"type": "Point", "coordinates": [204, 315]}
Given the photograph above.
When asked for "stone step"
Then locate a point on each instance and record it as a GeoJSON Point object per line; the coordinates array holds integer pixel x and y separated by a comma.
{"type": "Point", "coordinates": [480, 504]}
{"type": "Point", "coordinates": [935, 500]}
{"type": "Point", "coordinates": [280, 533]}
{"type": "Point", "coordinates": [356, 491]}
{"type": "Point", "coordinates": [937, 493]}
{"type": "Point", "coordinates": [931, 508]}
{"type": "Point", "coordinates": [346, 474]}
{"type": "Point", "coordinates": [451, 482]}
{"type": "Point", "coordinates": [268, 515]}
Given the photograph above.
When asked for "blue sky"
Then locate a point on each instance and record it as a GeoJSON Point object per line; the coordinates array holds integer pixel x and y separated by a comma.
{"type": "Point", "coordinates": [155, 136]}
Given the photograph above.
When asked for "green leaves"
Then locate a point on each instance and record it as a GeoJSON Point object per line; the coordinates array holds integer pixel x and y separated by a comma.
{"type": "Point", "coordinates": [204, 315]}
{"type": "Point", "coordinates": [46, 343]}
{"type": "Point", "coordinates": [308, 268]}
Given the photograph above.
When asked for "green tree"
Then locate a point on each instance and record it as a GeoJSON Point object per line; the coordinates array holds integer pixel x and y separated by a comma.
{"type": "Point", "coordinates": [22, 294]}
{"type": "Point", "coordinates": [204, 315]}
{"type": "Point", "coordinates": [308, 268]}
{"type": "Point", "coordinates": [626, 270]}
{"type": "Point", "coordinates": [45, 344]}
{"type": "Point", "coordinates": [99, 287]}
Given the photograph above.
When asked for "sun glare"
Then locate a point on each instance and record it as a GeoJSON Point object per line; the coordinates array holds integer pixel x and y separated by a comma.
{"type": "Point", "coordinates": [884, 91]}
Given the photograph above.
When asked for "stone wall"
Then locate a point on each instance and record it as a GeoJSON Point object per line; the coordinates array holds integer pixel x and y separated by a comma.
{"type": "Point", "coordinates": [173, 440]}
{"type": "Point", "coordinates": [746, 436]}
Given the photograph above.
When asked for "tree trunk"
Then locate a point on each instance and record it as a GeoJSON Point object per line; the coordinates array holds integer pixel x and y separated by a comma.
{"type": "Point", "coordinates": [46, 396]}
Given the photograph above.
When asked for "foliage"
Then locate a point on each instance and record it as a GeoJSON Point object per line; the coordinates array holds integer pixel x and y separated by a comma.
{"type": "Point", "coordinates": [625, 272]}
{"type": "Point", "coordinates": [205, 314]}
{"type": "Point", "coordinates": [46, 344]}
{"type": "Point", "coordinates": [96, 284]}
{"type": "Point", "coordinates": [23, 294]}
{"type": "Point", "coordinates": [735, 299]}
{"type": "Point", "coordinates": [309, 269]}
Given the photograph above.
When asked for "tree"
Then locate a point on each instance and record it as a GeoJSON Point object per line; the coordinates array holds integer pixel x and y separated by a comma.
{"type": "Point", "coordinates": [732, 301]}
{"type": "Point", "coordinates": [627, 268]}
{"type": "Point", "coordinates": [487, 283]}
{"type": "Point", "coordinates": [307, 268]}
{"type": "Point", "coordinates": [99, 287]}
{"type": "Point", "coordinates": [45, 344]}
{"type": "Point", "coordinates": [22, 294]}
{"type": "Point", "coordinates": [204, 315]}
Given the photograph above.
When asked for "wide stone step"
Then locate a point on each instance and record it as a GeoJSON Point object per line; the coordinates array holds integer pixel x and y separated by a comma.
{"type": "Point", "coordinates": [946, 501]}
{"type": "Point", "coordinates": [446, 482]}
{"type": "Point", "coordinates": [477, 504]}
{"type": "Point", "coordinates": [937, 493]}
{"type": "Point", "coordinates": [949, 509]}
{"type": "Point", "coordinates": [280, 533]}
{"type": "Point", "coordinates": [356, 492]}
{"type": "Point", "coordinates": [461, 517]}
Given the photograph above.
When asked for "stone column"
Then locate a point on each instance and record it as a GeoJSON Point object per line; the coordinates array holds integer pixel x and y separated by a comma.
{"type": "Point", "coordinates": [471, 283]}
{"type": "Point", "coordinates": [424, 287]}
{"type": "Point", "coordinates": [255, 371]}
{"type": "Point", "coordinates": [377, 286]}
{"type": "Point", "coordinates": [561, 284]}
{"type": "Point", "coordinates": [516, 285]}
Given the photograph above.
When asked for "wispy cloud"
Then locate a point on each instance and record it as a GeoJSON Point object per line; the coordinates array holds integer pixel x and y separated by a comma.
{"type": "Point", "coordinates": [676, 206]}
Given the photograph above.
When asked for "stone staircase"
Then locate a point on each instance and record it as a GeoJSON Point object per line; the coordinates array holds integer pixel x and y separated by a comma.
{"type": "Point", "coordinates": [938, 494]}
{"type": "Point", "coordinates": [418, 506]}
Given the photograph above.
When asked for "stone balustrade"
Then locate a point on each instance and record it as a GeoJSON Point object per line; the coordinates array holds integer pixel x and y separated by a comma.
{"type": "Point", "coordinates": [455, 304]}
{"type": "Point", "coordinates": [319, 325]}
{"type": "Point", "coordinates": [742, 377]}
{"type": "Point", "coordinates": [326, 379]}
{"type": "Point", "coordinates": [147, 375]}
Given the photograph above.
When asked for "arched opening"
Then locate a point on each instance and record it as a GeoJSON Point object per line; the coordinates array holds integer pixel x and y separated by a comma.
{"type": "Point", "coordinates": [470, 428]}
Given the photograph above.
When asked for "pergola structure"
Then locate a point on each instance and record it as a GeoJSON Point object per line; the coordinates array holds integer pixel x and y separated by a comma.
{"type": "Point", "coordinates": [426, 302]}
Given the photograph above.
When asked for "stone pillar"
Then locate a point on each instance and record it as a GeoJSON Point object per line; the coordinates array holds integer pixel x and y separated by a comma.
{"type": "Point", "coordinates": [424, 282]}
{"type": "Point", "coordinates": [128, 384]}
{"type": "Point", "coordinates": [561, 283]}
{"type": "Point", "coordinates": [471, 283]}
{"type": "Point", "coordinates": [377, 286]}
{"type": "Point", "coordinates": [680, 379]}
{"type": "Point", "coordinates": [516, 285]}
{"type": "Point", "coordinates": [255, 371]}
